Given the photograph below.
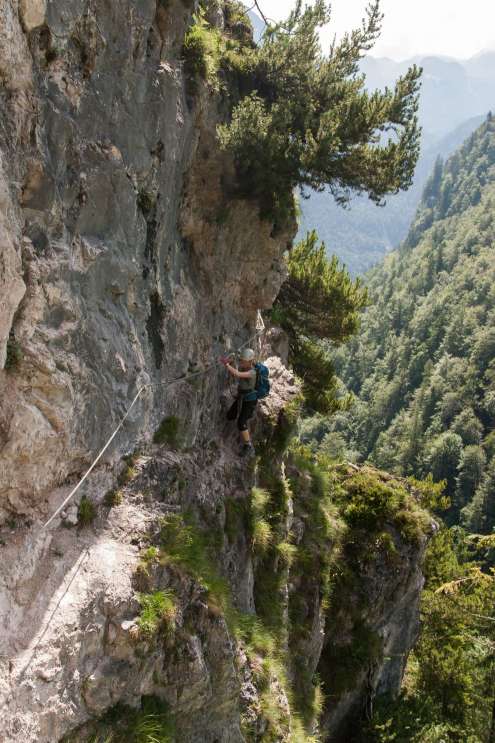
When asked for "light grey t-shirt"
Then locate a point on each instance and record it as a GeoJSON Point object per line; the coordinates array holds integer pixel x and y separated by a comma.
{"type": "Point", "coordinates": [248, 384]}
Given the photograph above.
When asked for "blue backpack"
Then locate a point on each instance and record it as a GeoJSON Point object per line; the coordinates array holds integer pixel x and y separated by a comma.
{"type": "Point", "coordinates": [262, 387]}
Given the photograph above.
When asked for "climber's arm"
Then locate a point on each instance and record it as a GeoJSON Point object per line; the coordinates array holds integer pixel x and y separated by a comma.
{"type": "Point", "coordinates": [236, 373]}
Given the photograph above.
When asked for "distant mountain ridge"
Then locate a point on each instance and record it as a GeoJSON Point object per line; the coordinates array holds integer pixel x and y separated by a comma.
{"type": "Point", "coordinates": [452, 91]}
{"type": "Point", "coordinates": [456, 95]}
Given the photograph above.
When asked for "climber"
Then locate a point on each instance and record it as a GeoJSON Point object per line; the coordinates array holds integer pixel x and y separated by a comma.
{"type": "Point", "coordinates": [253, 385]}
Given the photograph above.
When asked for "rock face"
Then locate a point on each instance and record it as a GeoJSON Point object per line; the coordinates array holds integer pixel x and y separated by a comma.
{"type": "Point", "coordinates": [99, 149]}
{"type": "Point", "coordinates": [124, 263]}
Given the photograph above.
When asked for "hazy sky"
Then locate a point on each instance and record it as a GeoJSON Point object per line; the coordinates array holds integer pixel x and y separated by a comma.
{"type": "Point", "coordinates": [452, 27]}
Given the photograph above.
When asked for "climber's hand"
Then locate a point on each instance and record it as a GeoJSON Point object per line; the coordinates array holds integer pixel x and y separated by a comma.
{"type": "Point", "coordinates": [224, 360]}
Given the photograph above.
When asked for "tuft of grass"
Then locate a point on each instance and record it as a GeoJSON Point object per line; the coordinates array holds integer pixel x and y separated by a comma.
{"type": "Point", "coordinates": [158, 613]}
{"type": "Point", "coordinates": [113, 498]}
{"type": "Point", "coordinates": [14, 353]}
{"type": "Point", "coordinates": [126, 476]}
{"type": "Point", "coordinates": [153, 723]}
{"type": "Point", "coordinates": [169, 432]}
{"type": "Point", "coordinates": [86, 512]}
{"type": "Point", "coordinates": [260, 528]}
{"type": "Point", "coordinates": [149, 556]}
{"type": "Point", "coordinates": [132, 459]}
{"type": "Point", "coordinates": [262, 535]}
{"type": "Point", "coordinates": [287, 552]}
{"type": "Point", "coordinates": [192, 550]}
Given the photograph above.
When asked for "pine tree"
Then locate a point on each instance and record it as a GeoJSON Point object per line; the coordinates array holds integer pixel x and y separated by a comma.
{"type": "Point", "coordinates": [308, 120]}
{"type": "Point", "coordinates": [319, 302]}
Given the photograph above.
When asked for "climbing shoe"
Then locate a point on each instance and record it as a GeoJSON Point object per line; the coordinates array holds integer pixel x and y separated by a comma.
{"type": "Point", "coordinates": [247, 450]}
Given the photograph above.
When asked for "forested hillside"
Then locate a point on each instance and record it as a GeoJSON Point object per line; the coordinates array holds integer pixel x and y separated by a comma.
{"type": "Point", "coordinates": [422, 370]}
{"type": "Point", "coordinates": [423, 367]}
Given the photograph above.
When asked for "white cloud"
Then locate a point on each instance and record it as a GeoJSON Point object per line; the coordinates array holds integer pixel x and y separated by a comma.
{"type": "Point", "coordinates": [445, 27]}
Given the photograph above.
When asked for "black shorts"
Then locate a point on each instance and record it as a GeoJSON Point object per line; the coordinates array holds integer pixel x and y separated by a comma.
{"type": "Point", "coordinates": [243, 410]}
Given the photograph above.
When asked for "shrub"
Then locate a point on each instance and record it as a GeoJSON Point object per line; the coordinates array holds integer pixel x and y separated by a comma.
{"type": "Point", "coordinates": [370, 504]}
{"type": "Point", "coordinates": [201, 51]}
{"type": "Point", "coordinates": [86, 511]}
{"type": "Point", "coordinates": [169, 432]}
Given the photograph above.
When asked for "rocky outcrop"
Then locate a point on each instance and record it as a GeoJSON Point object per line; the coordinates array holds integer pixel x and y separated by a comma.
{"type": "Point", "coordinates": [384, 640]}
{"type": "Point", "coordinates": [125, 260]}
{"type": "Point", "coordinates": [114, 191]}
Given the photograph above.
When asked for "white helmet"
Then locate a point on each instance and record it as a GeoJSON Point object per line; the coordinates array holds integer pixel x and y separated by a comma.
{"type": "Point", "coordinates": [247, 354]}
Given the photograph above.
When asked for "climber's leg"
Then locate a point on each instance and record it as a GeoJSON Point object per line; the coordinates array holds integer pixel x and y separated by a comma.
{"type": "Point", "coordinates": [233, 411]}
{"type": "Point", "coordinates": [247, 412]}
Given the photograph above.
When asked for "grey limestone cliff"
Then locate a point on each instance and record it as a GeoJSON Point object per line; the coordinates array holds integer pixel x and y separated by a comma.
{"type": "Point", "coordinates": [126, 261]}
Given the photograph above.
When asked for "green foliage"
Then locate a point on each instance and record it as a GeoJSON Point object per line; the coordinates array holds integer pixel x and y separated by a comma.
{"type": "Point", "coordinates": [423, 372]}
{"type": "Point", "coordinates": [287, 553]}
{"type": "Point", "coordinates": [237, 21]}
{"type": "Point", "coordinates": [113, 498]}
{"type": "Point", "coordinates": [319, 302]}
{"type": "Point", "coordinates": [292, 126]}
{"type": "Point", "coordinates": [269, 509]}
{"type": "Point", "coordinates": [261, 531]}
{"type": "Point", "coordinates": [152, 723]}
{"type": "Point", "coordinates": [192, 550]}
{"type": "Point", "coordinates": [286, 427]}
{"type": "Point", "coordinates": [149, 557]}
{"type": "Point", "coordinates": [372, 504]}
{"type": "Point", "coordinates": [201, 50]}
{"type": "Point", "coordinates": [262, 535]}
{"type": "Point", "coordinates": [158, 612]}
{"type": "Point", "coordinates": [431, 494]}
{"type": "Point", "coordinates": [14, 353]}
{"type": "Point", "coordinates": [454, 186]}
{"type": "Point", "coordinates": [169, 432]}
{"type": "Point", "coordinates": [86, 512]}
